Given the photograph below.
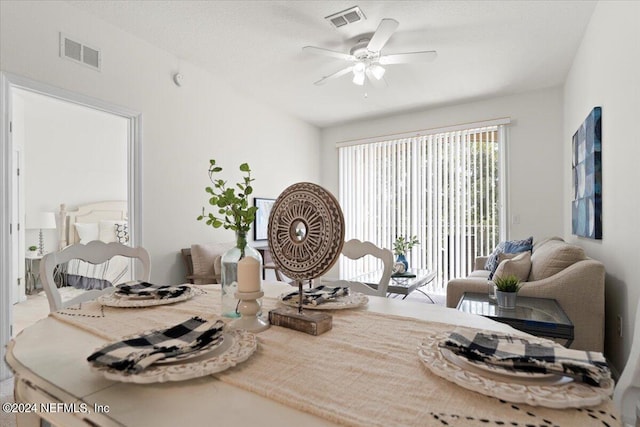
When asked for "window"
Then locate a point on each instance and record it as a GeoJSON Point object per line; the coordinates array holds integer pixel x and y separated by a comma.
{"type": "Point", "coordinates": [443, 187]}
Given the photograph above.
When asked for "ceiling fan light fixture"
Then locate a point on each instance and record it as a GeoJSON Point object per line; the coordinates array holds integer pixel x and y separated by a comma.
{"type": "Point", "coordinates": [377, 71]}
{"type": "Point", "coordinates": [358, 77]}
{"type": "Point", "coordinates": [359, 67]}
{"type": "Point", "coordinates": [367, 63]}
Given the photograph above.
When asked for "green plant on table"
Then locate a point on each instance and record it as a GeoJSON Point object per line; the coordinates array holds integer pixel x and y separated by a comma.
{"type": "Point", "coordinates": [508, 283]}
{"type": "Point", "coordinates": [402, 244]}
{"type": "Point", "coordinates": [231, 208]}
{"type": "Point", "coordinates": [33, 248]}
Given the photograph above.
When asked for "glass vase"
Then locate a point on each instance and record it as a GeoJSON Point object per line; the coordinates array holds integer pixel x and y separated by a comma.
{"type": "Point", "coordinates": [229, 277]}
{"type": "Point", "coordinates": [403, 259]}
{"type": "Point", "coordinates": [491, 290]}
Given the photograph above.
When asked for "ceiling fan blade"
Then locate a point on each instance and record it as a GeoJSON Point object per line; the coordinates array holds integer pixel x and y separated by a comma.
{"type": "Point", "coordinates": [409, 57]}
{"type": "Point", "coordinates": [377, 83]}
{"type": "Point", "coordinates": [327, 52]}
{"type": "Point", "coordinates": [334, 76]}
{"type": "Point", "coordinates": [382, 35]}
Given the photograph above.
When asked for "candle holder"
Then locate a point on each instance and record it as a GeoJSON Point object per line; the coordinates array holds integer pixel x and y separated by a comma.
{"type": "Point", "coordinates": [248, 308]}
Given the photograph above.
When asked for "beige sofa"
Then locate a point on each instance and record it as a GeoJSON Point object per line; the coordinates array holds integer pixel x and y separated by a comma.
{"type": "Point", "coordinates": [560, 271]}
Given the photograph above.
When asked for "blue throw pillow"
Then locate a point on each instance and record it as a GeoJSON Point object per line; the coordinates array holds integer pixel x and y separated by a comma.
{"type": "Point", "coordinates": [517, 246]}
{"type": "Point", "coordinates": [508, 247]}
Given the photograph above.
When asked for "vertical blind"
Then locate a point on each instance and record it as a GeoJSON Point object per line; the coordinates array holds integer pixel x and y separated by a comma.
{"type": "Point", "coordinates": [444, 188]}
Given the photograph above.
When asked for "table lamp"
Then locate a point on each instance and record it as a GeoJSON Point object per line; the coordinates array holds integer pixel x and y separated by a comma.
{"type": "Point", "coordinates": [41, 221]}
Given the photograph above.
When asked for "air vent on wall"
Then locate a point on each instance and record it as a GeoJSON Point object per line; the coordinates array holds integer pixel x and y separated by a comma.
{"type": "Point", "coordinates": [80, 52]}
{"type": "Point", "coordinates": [348, 16]}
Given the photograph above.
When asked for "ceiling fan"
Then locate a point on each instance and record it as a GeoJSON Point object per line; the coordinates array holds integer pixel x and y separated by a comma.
{"type": "Point", "coordinates": [366, 56]}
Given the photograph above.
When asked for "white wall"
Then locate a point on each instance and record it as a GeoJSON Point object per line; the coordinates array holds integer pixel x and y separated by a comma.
{"type": "Point", "coordinates": [535, 149]}
{"type": "Point", "coordinates": [182, 127]}
{"type": "Point", "coordinates": [606, 73]}
{"type": "Point", "coordinates": [73, 155]}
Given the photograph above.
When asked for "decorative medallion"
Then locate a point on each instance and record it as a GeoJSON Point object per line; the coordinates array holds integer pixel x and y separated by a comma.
{"type": "Point", "coordinates": [306, 231]}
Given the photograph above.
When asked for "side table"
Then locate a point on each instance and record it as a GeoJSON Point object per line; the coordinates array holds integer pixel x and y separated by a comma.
{"type": "Point", "coordinates": [542, 317]}
{"type": "Point", "coordinates": [32, 272]}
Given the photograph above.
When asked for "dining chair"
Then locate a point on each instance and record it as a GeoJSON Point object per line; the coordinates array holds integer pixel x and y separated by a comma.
{"type": "Point", "coordinates": [94, 252]}
{"type": "Point", "coordinates": [627, 392]}
{"type": "Point", "coordinates": [356, 249]}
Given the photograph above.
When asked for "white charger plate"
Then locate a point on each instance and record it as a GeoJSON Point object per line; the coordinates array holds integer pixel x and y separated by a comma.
{"type": "Point", "coordinates": [236, 347]}
{"type": "Point", "coordinates": [557, 392]}
{"type": "Point", "coordinates": [113, 300]}
{"type": "Point", "coordinates": [353, 300]}
{"type": "Point", "coordinates": [465, 363]}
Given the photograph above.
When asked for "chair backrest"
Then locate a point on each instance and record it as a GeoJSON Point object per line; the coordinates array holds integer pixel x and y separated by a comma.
{"type": "Point", "coordinates": [356, 249]}
{"type": "Point", "coordinates": [94, 252]}
{"type": "Point", "coordinates": [627, 393]}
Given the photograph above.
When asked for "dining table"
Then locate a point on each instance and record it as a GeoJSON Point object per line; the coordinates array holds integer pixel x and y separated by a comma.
{"type": "Point", "coordinates": [379, 365]}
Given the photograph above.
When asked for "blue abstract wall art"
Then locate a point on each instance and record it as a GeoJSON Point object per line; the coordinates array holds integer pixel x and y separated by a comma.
{"type": "Point", "coordinates": [586, 208]}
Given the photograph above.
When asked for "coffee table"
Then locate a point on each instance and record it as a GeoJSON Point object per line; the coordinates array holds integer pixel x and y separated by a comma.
{"type": "Point", "coordinates": [541, 317]}
{"type": "Point", "coordinates": [400, 284]}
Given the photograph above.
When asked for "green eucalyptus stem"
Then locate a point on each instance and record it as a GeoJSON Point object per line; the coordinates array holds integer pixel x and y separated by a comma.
{"type": "Point", "coordinates": [241, 242]}
{"type": "Point", "coordinates": [402, 245]}
{"type": "Point", "coordinates": [230, 204]}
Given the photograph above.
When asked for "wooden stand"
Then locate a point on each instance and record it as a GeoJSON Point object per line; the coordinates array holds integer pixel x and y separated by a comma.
{"type": "Point", "coordinates": [309, 323]}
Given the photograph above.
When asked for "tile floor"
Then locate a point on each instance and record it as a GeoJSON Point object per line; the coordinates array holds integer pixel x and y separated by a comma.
{"type": "Point", "coordinates": [6, 395]}
{"type": "Point", "coordinates": [26, 313]}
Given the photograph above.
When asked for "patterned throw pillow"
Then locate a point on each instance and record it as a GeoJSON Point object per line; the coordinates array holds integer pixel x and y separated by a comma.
{"type": "Point", "coordinates": [492, 261]}
{"type": "Point", "coordinates": [508, 247]}
{"type": "Point", "coordinates": [122, 233]}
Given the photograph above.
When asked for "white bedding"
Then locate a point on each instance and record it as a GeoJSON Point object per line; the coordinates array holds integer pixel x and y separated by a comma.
{"type": "Point", "coordinates": [84, 275]}
{"type": "Point", "coordinates": [105, 221]}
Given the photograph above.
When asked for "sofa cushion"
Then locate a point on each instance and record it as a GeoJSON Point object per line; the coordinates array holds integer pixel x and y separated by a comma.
{"type": "Point", "coordinates": [553, 257]}
{"type": "Point", "coordinates": [479, 274]}
{"type": "Point", "coordinates": [206, 260]}
{"type": "Point", "coordinates": [541, 242]}
{"type": "Point", "coordinates": [518, 265]}
{"type": "Point", "coordinates": [510, 246]}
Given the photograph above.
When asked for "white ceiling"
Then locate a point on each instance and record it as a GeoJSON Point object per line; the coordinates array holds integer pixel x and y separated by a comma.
{"type": "Point", "coordinates": [485, 48]}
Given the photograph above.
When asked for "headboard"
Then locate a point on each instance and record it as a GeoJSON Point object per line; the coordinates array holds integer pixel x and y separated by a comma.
{"type": "Point", "coordinates": [91, 212]}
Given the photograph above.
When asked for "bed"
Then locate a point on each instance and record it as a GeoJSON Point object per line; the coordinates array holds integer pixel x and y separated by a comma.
{"type": "Point", "coordinates": [105, 221]}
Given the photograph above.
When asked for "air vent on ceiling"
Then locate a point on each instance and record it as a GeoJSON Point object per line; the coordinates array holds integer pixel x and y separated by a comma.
{"type": "Point", "coordinates": [80, 52]}
{"type": "Point", "coordinates": [348, 16]}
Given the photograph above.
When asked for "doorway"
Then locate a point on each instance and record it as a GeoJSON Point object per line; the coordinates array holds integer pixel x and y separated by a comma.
{"type": "Point", "coordinates": [67, 153]}
{"type": "Point", "coordinates": [68, 157]}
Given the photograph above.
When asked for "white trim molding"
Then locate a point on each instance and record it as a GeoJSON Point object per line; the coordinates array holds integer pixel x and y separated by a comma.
{"type": "Point", "coordinates": [6, 306]}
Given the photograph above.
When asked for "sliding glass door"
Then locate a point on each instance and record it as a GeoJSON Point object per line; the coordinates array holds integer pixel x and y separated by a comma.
{"type": "Point", "coordinates": [445, 188]}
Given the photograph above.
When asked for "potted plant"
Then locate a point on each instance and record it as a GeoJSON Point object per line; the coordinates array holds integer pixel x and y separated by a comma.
{"type": "Point", "coordinates": [401, 246]}
{"type": "Point", "coordinates": [231, 211]}
{"type": "Point", "coordinates": [507, 288]}
{"type": "Point", "coordinates": [32, 251]}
